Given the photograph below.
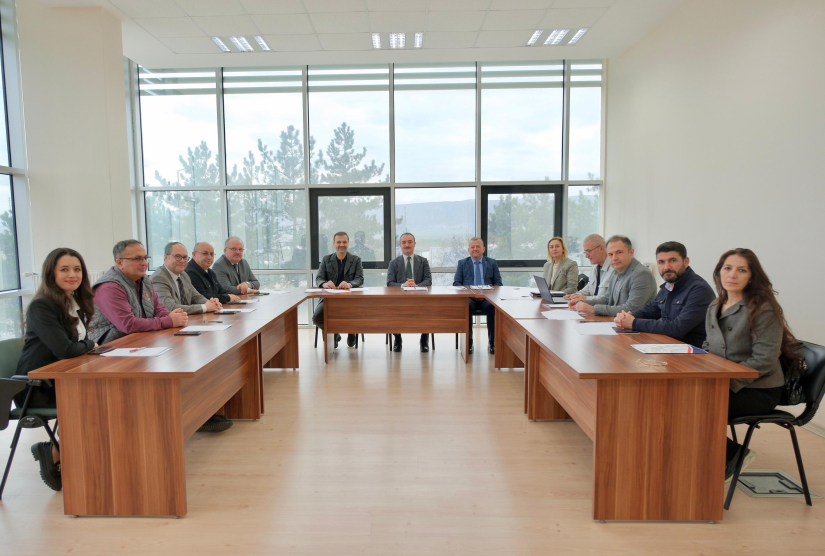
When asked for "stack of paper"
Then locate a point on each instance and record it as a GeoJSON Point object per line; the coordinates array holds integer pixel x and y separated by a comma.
{"type": "Point", "coordinates": [314, 290]}
{"type": "Point", "coordinates": [483, 287]}
{"type": "Point", "coordinates": [414, 288]}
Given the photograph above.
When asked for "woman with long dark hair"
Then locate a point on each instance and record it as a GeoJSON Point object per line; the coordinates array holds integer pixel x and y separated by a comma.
{"type": "Point", "coordinates": [746, 325]}
{"type": "Point", "coordinates": [55, 329]}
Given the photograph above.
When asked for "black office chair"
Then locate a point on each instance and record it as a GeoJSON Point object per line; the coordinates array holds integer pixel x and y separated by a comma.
{"type": "Point", "coordinates": [813, 384]}
{"type": "Point", "coordinates": [476, 313]}
{"type": "Point", "coordinates": [583, 281]}
{"type": "Point", "coordinates": [11, 385]}
{"type": "Point", "coordinates": [389, 345]}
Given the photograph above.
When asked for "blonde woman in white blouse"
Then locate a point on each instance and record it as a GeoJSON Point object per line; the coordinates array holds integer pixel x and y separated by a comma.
{"type": "Point", "coordinates": [561, 273]}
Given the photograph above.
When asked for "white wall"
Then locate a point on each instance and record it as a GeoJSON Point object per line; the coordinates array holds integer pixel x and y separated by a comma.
{"type": "Point", "coordinates": [716, 138]}
{"type": "Point", "coordinates": [71, 63]}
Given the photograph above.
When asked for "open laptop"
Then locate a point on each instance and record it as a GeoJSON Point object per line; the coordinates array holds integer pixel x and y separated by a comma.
{"type": "Point", "coordinates": [546, 294]}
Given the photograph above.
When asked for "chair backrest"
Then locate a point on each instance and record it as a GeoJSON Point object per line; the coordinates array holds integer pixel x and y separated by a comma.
{"type": "Point", "coordinates": [813, 381]}
{"type": "Point", "coordinates": [584, 279]}
{"type": "Point", "coordinates": [10, 351]}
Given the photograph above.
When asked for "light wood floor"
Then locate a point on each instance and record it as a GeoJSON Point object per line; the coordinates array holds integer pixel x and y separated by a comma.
{"type": "Point", "coordinates": [409, 454]}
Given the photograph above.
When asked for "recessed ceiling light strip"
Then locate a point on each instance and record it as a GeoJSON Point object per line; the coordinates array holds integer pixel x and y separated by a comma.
{"type": "Point", "coordinates": [397, 40]}
{"type": "Point", "coordinates": [578, 35]}
{"type": "Point", "coordinates": [262, 43]}
{"type": "Point", "coordinates": [419, 40]}
{"type": "Point", "coordinates": [535, 36]}
{"type": "Point", "coordinates": [241, 44]}
{"type": "Point", "coordinates": [556, 36]}
{"type": "Point", "coordinates": [220, 44]}
{"type": "Point", "coordinates": [376, 40]}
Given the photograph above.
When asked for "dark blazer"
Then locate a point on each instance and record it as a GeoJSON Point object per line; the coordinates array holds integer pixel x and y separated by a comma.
{"type": "Point", "coordinates": [353, 272]}
{"type": "Point", "coordinates": [680, 313]}
{"type": "Point", "coordinates": [464, 272]}
{"type": "Point", "coordinates": [421, 271]}
{"type": "Point", "coordinates": [48, 337]}
{"type": "Point", "coordinates": [229, 279]}
{"type": "Point", "coordinates": [729, 337]}
{"type": "Point", "coordinates": [206, 282]}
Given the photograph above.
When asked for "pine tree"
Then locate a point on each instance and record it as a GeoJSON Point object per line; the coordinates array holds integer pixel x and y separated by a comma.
{"type": "Point", "coordinates": [343, 163]}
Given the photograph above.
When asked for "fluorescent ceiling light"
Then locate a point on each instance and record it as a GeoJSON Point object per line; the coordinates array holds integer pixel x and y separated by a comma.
{"type": "Point", "coordinates": [419, 40]}
{"type": "Point", "coordinates": [578, 35]}
{"type": "Point", "coordinates": [262, 43]}
{"type": "Point", "coordinates": [220, 44]}
{"type": "Point", "coordinates": [397, 40]}
{"type": "Point", "coordinates": [556, 36]}
{"type": "Point", "coordinates": [376, 40]}
{"type": "Point", "coordinates": [241, 43]}
{"type": "Point", "coordinates": [536, 34]}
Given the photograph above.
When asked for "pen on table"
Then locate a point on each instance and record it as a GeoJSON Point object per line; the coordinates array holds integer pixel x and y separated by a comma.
{"type": "Point", "coordinates": [136, 349]}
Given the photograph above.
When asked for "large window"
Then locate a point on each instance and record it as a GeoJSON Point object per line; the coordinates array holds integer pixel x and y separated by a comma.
{"type": "Point", "coordinates": [522, 108]}
{"type": "Point", "coordinates": [285, 157]}
{"type": "Point", "coordinates": [435, 121]}
{"type": "Point", "coordinates": [349, 123]}
{"type": "Point", "coordinates": [442, 219]}
{"type": "Point", "coordinates": [178, 114]}
{"type": "Point", "coordinates": [264, 113]}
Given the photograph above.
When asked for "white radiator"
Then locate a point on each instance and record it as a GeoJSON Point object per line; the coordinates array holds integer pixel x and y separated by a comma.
{"type": "Point", "coordinates": [94, 276]}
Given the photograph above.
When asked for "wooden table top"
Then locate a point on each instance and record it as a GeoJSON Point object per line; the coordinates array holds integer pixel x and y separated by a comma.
{"type": "Point", "coordinates": [612, 357]}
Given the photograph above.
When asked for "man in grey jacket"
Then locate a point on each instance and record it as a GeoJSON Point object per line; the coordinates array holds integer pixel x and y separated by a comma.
{"type": "Point", "coordinates": [174, 287]}
{"type": "Point", "coordinates": [408, 270]}
{"type": "Point", "coordinates": [233, 271]}
{"type": "Point", "coordinates": [630, 287]}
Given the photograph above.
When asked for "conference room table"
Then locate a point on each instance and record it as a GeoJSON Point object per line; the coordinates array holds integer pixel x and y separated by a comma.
{"type": "Point", "coordinates": [659, 432]}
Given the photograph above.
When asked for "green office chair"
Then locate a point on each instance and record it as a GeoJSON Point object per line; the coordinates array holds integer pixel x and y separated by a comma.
{"type": "Point", "coordinates": [10, 386]}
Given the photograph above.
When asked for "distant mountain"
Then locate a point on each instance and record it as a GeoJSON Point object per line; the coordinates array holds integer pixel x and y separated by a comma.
{"type": "Point", "coordinates": [436, 219]}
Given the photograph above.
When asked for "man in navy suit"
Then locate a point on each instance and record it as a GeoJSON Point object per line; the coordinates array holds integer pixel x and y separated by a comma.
{"type": "Point", "coordinates": [477, 270]}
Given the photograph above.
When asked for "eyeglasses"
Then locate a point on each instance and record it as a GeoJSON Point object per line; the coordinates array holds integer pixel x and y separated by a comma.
{"type": "Point", "coordinates": [136, 259]}
{"type": "Point", "coordinates": [181, 258]}
{"type": "Point", "coordinates": [237, 249]}
{"type": "Point", "coordinates": [588, 251]}
{"type": "Point", "coordinates": [205, 253]}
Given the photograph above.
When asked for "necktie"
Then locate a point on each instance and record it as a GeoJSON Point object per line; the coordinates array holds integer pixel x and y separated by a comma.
{"type": "Point", "coordinates": [478, 280]}
{"type": "Point", "coordinates": [180, 288]}
{"type": "Point", "coordinates": [408, 272]}
{"type": "Point", "coordinates": [238, 272]}
{"type": "Point", "coordinates": [598, 278]}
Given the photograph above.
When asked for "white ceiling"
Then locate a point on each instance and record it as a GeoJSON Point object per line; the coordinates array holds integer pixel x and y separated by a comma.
{"type": "Point", "coordinates": [176, 33]}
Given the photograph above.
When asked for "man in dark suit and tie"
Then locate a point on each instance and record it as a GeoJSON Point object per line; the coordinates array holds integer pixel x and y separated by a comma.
{"type": "Point", "coordinates": [409, 270]}
{"type": "Point", "coordinates": [478, 270]}
{"type": "Point", "coordinates": [338, 271]}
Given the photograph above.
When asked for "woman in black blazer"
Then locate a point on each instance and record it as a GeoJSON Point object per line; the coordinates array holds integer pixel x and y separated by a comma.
{"type": "Point", "coordinates": [55, 329]}
{"type": "Point", "coordinates": [746, 325]}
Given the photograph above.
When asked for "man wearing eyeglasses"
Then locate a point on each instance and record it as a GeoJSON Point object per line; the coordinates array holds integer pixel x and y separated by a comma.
{"type": "Point", "coordinates": [203, 277]}
{"type": "Point", "coordinates": [233, 271]}
{"type": "Point", "coordinates": [174, 287]}
{"type": "Point", "coordinates": [125, 299]}
{"type": "Point", "coordinates": [600, 269]}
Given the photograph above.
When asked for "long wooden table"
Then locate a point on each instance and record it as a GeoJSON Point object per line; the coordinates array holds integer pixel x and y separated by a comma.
{"type": "Point", "coordinates": [659, 433]}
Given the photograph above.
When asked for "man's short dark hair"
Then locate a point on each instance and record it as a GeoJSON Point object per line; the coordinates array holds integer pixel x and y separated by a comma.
{"type": "Point", "coordinates": [623, 239]}
{"type": "Point", "coordinates": [406, 234]}
{"type": "Point", "coordinates": [340, 234]}
{"type": "Point", "coordinates": [675, 246]}
{"type": "Point", "coordinates": [168, 249]}
{"type": "Point", "coordinates": [121, 246]}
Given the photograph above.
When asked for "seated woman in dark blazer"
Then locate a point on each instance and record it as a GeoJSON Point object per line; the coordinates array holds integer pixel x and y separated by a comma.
{"type": "Point", "coordinates": [55, 329]}
{"type": "Point", "coordinates": [746, 325]}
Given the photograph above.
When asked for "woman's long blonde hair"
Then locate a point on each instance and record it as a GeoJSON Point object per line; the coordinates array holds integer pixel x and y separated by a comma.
{"type": "Point", "coordinates": [564, 251]}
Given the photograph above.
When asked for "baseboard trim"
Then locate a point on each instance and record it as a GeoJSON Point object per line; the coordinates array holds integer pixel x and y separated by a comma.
{"type": "Point", "coordinates": [816, 429]}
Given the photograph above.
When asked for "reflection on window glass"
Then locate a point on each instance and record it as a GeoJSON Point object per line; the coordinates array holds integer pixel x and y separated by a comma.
{"type": "Point", "coordinates": [179, 128]}
{"type": "Point", "coordinates": [375, 279]}
{"type": "Point", "coordinates": [435, 135]}
{"type": "Point", "coordinates": [4, 138]}
{"type": "Point", "coordinates": [350, 136]}
{"type": "Point", "coordinates": [9, 273]}
{"type": "Point", "coordinates": [519, 225]}
{"type": "Point", "coordinates": [520, 279]}
{"type": "Point", "coordinates": [361, 217]}
{"type": "Point", "coordinates": [582, 219]}
{"type": "Point", "coordinates": [272, 225]}
{"type": "Point", "coordinates": [184, 216]}
{"type": "Point", "coordinates": [585, 133]}
{"type": "Point", "coordinates": [264, 139]}
{"type": "Point", "coordinates": [442, 219]}
{"type": "Point", "coordinates": [11, 318]}
{"type": "Point", "coordinates": [521, 131]}
{"type": "Point", "coordinates": [443, 278]}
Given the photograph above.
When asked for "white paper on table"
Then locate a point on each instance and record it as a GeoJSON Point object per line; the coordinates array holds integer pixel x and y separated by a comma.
{"type": "Point", "coordinates": [205, 328]}
{"type": "Point", "coordinates": [146, 352]}
{"type": "Point", "coordinates": [414, 288]}
{"type": "Point", "coordinates": [244, 301]}
{"type": "Point", "coordinates": [484, 287]}
{"type": "Point", "coordinates": [596, 329]}
{"type": "Point", "coordinates": [275, 291]}
{"type": "Point", "coordinates": [335, 291]}
{"type": "Point", "coordinates": [314, 290]}
{"type": "Point", "coordinates": [562, 315]}
{"type": "Point", "coordinates": [357, 289]}
{"type": "Point", "coordinates": [564, 304]}
{"type": "Point", "coordinates": [455, 287]}
{"type": "Point", "coordinates": [242, 310]}
{"type": "Point", "coordinates": [666, 348]}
